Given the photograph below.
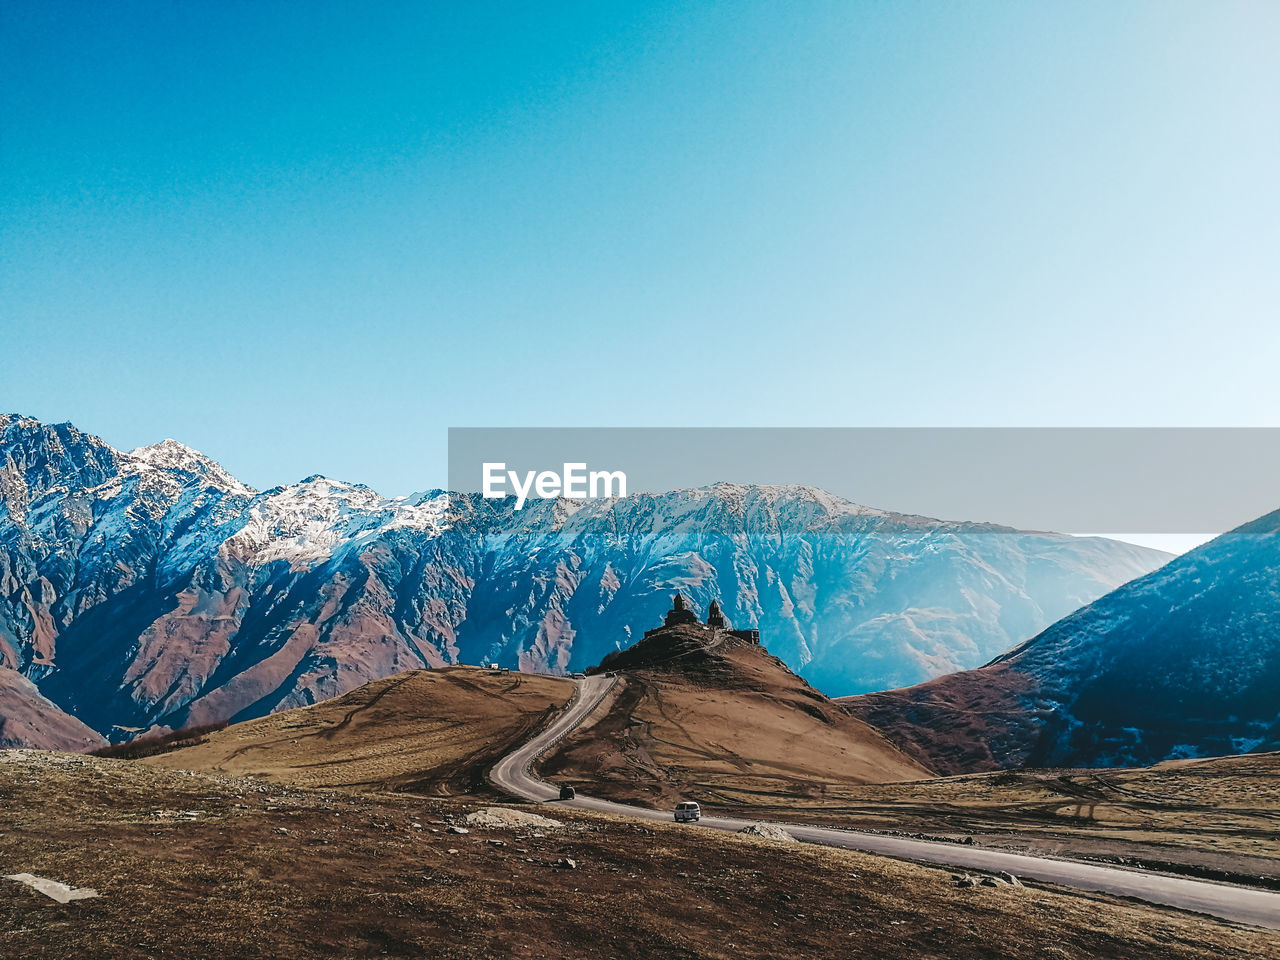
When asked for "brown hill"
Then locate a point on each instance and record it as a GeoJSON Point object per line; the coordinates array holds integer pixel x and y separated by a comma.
{"type": "Point", "coordinates": [428, 731]}
{"type": "Point", "coordinates": [704, 714]}
{"type": "Point", "coordinates": [969, 722]}
{"type": "Point", "coordinates": [29, 720]}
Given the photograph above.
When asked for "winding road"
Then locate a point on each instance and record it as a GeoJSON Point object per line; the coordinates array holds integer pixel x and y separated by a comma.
{"type": "Point", "coordinates": [1240, 904]}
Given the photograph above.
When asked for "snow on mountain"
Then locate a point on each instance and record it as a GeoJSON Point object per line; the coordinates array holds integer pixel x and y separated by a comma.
{"type": "Point", "coordinates": [172, 459]}
{"type": "Point", "coordinates": [153, 588]}
{"type": "Point", "coordinates": [309, 521]}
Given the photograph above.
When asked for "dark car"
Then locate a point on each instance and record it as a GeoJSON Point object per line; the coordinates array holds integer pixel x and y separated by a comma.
{"type": "Point", "coordinates": [567, 793]}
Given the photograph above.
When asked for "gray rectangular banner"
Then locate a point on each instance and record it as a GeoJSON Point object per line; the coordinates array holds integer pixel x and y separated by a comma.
{"type": "Point", "coordinates": [1072, 480]}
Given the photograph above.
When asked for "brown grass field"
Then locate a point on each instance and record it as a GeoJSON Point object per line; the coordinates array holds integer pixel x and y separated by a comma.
{"type": "Point", "coordinates": [428, 731]}
{"type": "Point", "coordinates": [659, 741]}
{"type": "Point", "coordinates": [1217, 818]}
{"type": "Point", "coordinates": [199, 865]}
{"type": "Point", "coordinates": [743, 736]}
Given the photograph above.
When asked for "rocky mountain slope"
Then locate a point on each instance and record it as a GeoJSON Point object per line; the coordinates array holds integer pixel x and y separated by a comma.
{"type": "Point", "coordinates": [152, 588]}
{"type": "Point", "coordinates": [29, 720]}
{"type": "Point", "coordinates": [1184, 662]}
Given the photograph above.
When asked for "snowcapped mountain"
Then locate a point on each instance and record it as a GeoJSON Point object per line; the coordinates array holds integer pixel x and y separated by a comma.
{"type": "Point", "coordinates": [153, 588]}
{"type": "Point", "coordinates": [1184, 662]}
{"type": "Point", "coordinates": [311, 521]}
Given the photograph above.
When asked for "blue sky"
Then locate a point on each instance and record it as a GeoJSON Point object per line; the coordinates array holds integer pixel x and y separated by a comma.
{"type": "Point", "coordinates": [310, 237]}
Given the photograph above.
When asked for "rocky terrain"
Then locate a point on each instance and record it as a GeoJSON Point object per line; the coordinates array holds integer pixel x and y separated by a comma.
{"type": "Point", "coordinates": [214, 866]}
{"type": "Point", "coordinates": [152, 589]}
{"type": "Point", "coordinates": [1184, 662]}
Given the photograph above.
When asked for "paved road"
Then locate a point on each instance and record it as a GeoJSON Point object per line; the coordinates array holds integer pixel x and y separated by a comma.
{"type": "Point", "coordinates": [1241, 904]}
{"type": "Point", "coordinates": [511, 773]}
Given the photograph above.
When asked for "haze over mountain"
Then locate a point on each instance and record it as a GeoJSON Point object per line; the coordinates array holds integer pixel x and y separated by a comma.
{"type": "Point", "coordinates": [1184, 662]}
{"type": "Point", "coordinates": [153, 588]}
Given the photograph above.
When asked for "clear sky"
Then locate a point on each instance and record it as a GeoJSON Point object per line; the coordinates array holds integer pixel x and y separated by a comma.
{"type": "Point", "coordinates": [309, 237]}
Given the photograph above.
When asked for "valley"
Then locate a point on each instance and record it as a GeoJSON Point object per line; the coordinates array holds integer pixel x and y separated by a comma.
{"type": "Point", "coordinates": [639, 481]}
{"type": "Point", "coordinates": [337, 813]}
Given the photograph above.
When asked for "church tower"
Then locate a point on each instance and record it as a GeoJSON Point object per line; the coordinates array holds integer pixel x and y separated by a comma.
{"type": "Point", "coordinates": [714, 617]}
{"type": "Point", "coordinates": [680, 612]}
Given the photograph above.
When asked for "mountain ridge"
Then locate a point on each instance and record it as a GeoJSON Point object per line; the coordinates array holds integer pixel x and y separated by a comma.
{"type": "Point", "coordinates": [153, 589]}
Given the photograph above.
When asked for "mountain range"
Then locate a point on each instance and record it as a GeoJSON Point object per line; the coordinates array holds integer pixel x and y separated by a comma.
{"type": "Point", "coordinates": [153, 589]}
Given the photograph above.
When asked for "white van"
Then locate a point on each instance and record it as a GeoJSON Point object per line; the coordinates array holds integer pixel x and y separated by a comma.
{"type": "Point", "coordinates": [688, 812]}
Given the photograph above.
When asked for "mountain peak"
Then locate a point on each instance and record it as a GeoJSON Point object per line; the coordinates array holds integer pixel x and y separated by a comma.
{"type": "Point", "coordinates": [168, 447]}
{"type": "Point", "coordinates": [309, 521]}
{"type": "Point", "coordinates": [172, 455]}
{"type": "Point", "coordinates": [773, 495]}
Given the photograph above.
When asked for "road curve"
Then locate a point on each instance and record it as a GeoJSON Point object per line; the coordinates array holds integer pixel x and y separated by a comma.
{"type": "Point", "coordinates": [511, 773]}
{"type": "Point", "coordinates": [1240, 904]}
